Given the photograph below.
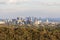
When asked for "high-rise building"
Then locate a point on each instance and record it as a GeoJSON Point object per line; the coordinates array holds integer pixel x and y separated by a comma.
{"type": "Point", "coordinates": [18, 18]}
{"type": "Point", "coordinates": [47, 21]}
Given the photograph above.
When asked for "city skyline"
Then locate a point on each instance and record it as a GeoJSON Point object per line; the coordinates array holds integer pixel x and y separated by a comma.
{"type": "Point", "coordinates": [38, 8]}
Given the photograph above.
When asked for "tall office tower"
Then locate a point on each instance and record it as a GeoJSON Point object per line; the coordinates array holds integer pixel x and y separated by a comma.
{"type": "Point", "coordinates": [39, 18]}
{"type": "Point", "coordinates": [47, 20]}
{"type": "Point", "coordinates": [28, 20]}
{"type": "Point", "coordinates": [18, 18]}
{"type": "Point", "coordinates": [35, 19]}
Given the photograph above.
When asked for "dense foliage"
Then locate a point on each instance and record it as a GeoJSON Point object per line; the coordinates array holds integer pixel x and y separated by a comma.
{"type": "Point", "coordinates": [30, 33]}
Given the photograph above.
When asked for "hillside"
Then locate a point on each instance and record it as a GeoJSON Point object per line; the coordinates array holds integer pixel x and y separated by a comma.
{"type": "Point", "coordinates": [30, 32]}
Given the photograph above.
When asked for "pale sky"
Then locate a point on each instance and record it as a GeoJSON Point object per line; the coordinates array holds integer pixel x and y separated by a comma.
{"type": "Point", "coordinates": [42, 8]}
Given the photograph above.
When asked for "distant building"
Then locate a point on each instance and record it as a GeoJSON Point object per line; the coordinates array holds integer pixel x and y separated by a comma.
{"type": "Point", "coordinates": [14, 21]}
{"type": "Point", "coordinates": [18, 18]}
{"type": "Point", "coordinates": [2, 22]}
{"type": "Point", "coordinates": [47, 21]}
{"type": "Point", "coordinates": [37, 22]}
{"type": "Point", "coordinates": [28, 20]}
{"type": "Point", "coordinates": [9, 21]}
{"type": "Point", "coordinates": [20, 22]}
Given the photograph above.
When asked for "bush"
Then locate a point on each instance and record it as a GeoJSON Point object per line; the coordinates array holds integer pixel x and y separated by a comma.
{"type": "Point", "coordinates": [29, 33]}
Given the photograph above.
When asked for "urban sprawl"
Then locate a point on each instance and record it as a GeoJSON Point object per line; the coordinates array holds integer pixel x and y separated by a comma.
{"type": "Point", "coordinates": [26, 20]}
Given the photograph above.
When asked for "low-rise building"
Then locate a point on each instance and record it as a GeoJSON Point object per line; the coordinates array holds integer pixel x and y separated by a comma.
{"type": "Point", "coordinates": [2, 22]}
{"type": "Point", "coordinates": [37, 22]}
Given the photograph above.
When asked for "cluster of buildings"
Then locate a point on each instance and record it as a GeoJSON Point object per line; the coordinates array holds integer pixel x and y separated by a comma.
{"type": "Point", "coordinates": [25, 21]}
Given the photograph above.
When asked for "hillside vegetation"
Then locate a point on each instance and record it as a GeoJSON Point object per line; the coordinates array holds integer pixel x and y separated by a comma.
{"type": "Point", "coordinates": [30, 32]}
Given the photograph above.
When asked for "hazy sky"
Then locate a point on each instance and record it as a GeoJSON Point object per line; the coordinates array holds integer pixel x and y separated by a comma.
{"type": "Point", "coordinates": [42, 8]}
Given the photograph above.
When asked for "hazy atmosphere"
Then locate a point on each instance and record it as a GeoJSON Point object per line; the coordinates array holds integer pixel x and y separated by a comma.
{"type": "Point", "coordinates": [39, 8]}
{"type": "Point", "coordinates": [29, 19]}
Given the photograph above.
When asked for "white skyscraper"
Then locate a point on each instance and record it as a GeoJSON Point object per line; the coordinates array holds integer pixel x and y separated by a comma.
{"type": "Point", "coordinates": [47, 21]}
